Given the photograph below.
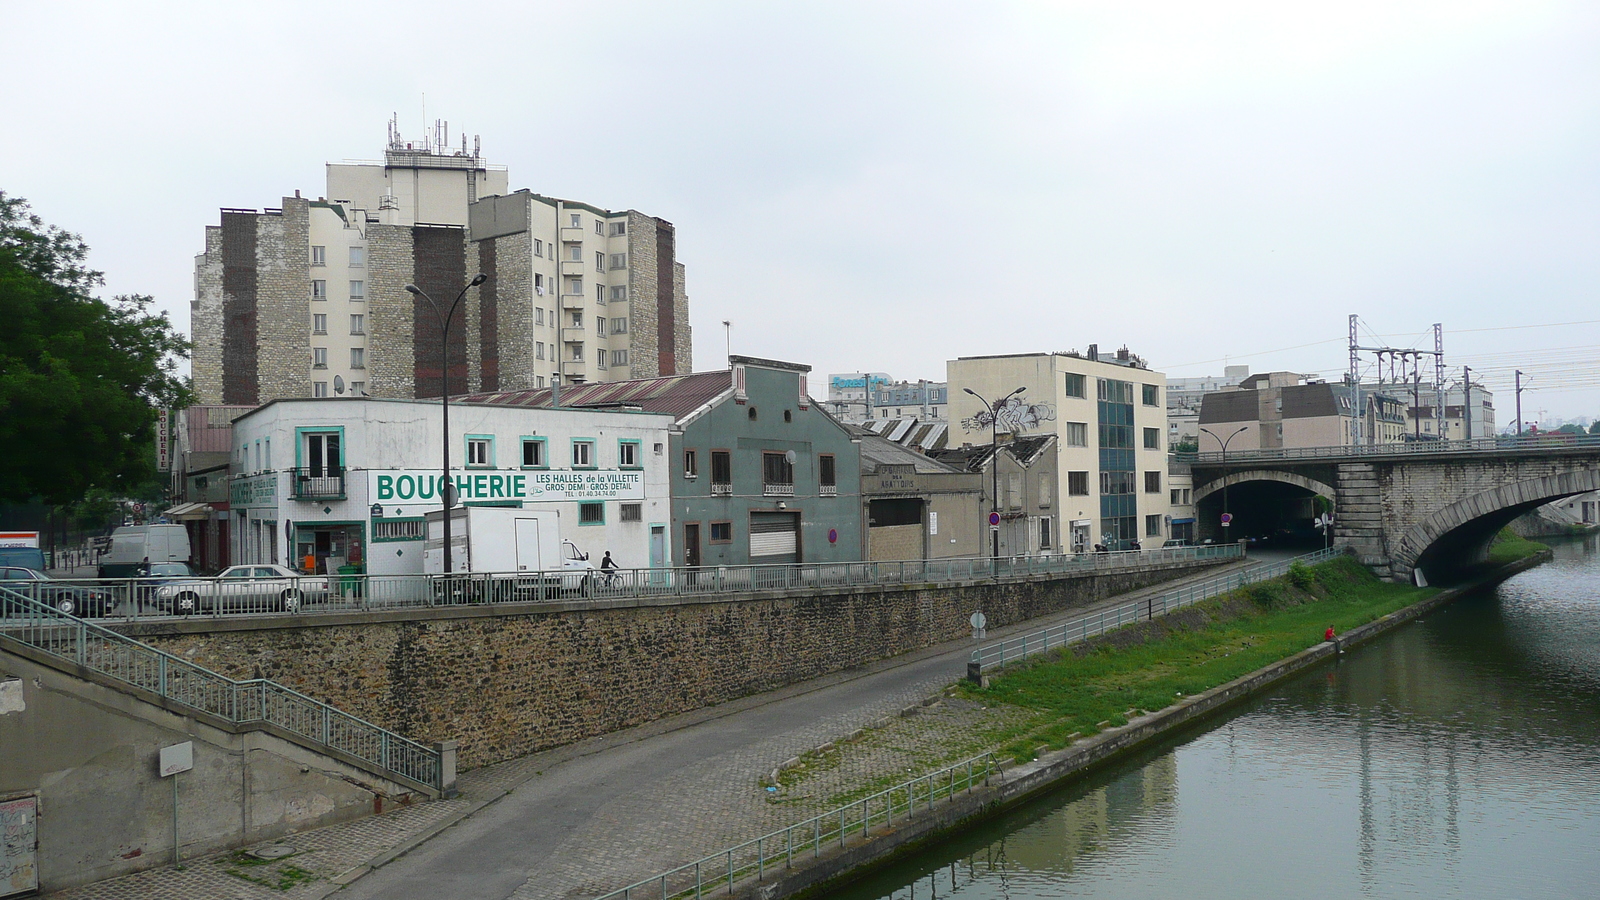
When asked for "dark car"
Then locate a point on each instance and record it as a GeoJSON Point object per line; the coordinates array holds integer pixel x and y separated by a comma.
{"type": "Point", "coordinates": [71, 599]}
{"type": "Point", "coordinates": [144, 588]}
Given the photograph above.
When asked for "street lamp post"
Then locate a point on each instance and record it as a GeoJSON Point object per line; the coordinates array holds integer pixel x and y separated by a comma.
{"type": "Point", "coordinates": [994, 461]}
{"type": "Point", "coordinates": [447, 488]}
{"type": "Point", "coordinates": [1224, 445]}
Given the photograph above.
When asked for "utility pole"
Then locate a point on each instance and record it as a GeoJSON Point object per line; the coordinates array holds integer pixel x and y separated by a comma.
{"type": "Point", "coordinates": [1466, 400]}
{"type": "Point", "coordinates": [1519, 403]}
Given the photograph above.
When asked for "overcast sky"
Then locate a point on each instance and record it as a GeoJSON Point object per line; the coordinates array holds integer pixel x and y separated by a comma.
{"type": "Point", "coordinates": [891, 185]}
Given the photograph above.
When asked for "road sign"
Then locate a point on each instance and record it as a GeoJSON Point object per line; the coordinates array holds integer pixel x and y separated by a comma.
{"type": "Point", "coordinates": [994, 518]}
{"type": "Point", "coordinates": [177, 758]}
{"type": "Point", "coordinates": [1227, 519]}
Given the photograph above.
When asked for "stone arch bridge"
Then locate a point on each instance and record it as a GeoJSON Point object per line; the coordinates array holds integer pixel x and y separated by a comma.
{"type": "Point", "coordinates": [1429, 506]}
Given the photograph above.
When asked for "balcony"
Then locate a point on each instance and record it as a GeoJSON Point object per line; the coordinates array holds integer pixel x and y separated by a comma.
{"type": "Point", "coordinates": [570, 234]}
{"type": "Point", "coordinates": [572, 267]}
{"type": "Point", "coordinates": [317, 483]}
{"type": "Point", "coordinates": [828, 490]}
{"type": "Point", "coordinates": [574, 301]}
{"type": "Point", "coordinates": [721, 489]}
{"type": "Point", "coordinates": [777, 490]}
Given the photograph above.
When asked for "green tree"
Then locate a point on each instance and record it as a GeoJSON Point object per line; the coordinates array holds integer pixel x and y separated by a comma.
{"type": "Point", "coordinates": [80, 378]}
{"type": "Point", "coordinates": [1570, 429]}
{"type": "Point", "coordinates": [1595, 428]}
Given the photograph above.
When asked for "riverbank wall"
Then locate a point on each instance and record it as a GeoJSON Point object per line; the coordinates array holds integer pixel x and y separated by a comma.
{"type": "Point", "coordinates": [1022, 783]}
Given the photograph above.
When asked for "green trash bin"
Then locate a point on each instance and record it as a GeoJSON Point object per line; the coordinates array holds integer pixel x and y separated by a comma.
{"type": "Point", "coordinates": [350, 580]}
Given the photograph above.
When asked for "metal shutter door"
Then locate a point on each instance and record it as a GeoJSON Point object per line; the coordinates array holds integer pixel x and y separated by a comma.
{"type": "Point", "coordinates": [774, 537]}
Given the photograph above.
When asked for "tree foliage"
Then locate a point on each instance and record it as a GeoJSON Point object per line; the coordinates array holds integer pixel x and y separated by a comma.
{"type": "Point", "coordinates": [80, 378]}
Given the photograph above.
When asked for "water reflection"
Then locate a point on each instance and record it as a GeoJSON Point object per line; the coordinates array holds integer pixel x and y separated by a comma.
{"type": "Point", "coordinates": [1459, 757]}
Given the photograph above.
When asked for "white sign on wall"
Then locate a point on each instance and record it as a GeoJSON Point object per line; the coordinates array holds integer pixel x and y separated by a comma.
{"type": "Point", "coordinates": [177, 758]}
{"type": "Point", "coordinates": [421, 487]}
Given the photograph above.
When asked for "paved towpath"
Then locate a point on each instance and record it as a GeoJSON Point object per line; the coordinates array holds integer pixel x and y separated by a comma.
{"type": "Point", "coordinates": [584, 819]}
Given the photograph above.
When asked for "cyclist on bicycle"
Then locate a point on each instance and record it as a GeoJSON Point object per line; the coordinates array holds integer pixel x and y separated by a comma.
{"type": "Point", "coordinates": [608, 568]}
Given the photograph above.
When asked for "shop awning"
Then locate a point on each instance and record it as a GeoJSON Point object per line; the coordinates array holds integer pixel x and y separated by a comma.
{"type": "Point", "coordinates": [1187, 521]}
{"type": "Point", "coordinates": [185, 512]}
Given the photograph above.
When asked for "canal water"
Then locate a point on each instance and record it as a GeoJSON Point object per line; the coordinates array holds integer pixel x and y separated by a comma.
{"type": "Point", "coordinates": [1458, 756]}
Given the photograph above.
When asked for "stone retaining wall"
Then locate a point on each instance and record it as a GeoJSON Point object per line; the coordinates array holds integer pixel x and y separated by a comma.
{"type": "Point", "coordinates": [511, 680]}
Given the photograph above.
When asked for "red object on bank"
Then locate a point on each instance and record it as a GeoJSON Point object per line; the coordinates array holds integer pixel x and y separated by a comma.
{"type": "Point", "coordinates": [1328, 635]}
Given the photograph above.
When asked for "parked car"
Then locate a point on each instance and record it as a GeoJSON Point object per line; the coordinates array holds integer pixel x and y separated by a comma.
{"type": "Point", "coordinates": [252, 588]}
{"type": "Point", "coordinates": [71, 599]}
{"type": "Point", "coordinates": [144, 588]}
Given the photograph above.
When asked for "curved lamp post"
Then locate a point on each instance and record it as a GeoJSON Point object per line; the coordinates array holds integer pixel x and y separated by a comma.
{"type": "Point", "coordinates": [994, 464]}
{"type": "Point", "coordinates": [447, 488]}
{"type": "Point", "coordinates": [1224, 445]}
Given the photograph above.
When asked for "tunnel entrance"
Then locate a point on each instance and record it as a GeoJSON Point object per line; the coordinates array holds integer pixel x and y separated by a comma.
{"type": "Point", "coordinates": [1266, 513]}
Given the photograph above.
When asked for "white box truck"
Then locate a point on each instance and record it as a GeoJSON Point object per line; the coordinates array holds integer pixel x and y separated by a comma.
{"type": "Point", "coordinates": [21, 548]}
{"type": "Point", "coordinates": [132, 545]}
{"type": "Point", "coordinates": [502, 553]}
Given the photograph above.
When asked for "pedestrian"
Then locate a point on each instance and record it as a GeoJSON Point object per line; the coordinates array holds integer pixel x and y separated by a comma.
{"type": "Point", "coordinates": [1328, 635]}
{"type": "Point", "coordinates": [144, 567]}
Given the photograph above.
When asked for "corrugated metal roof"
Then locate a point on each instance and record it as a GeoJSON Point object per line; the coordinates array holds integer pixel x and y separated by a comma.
{"type": "Point", "coordinates": [877, 451]}
{"type": "Point", "coordinates": [677, 395]}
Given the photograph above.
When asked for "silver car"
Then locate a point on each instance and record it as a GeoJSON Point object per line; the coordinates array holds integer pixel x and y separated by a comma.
{"type": "Point", "coordinates": [252, 588]}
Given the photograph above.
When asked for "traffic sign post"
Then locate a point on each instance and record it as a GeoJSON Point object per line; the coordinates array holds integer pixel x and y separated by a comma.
{"type": "Point", "coordinates": [1227, 519]}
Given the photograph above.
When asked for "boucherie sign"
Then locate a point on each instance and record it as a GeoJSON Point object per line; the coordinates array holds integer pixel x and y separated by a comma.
{"type": "Point", "coordinates": [419, 486]}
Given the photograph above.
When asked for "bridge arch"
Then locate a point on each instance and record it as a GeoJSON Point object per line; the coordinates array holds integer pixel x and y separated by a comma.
{"type": "Point", "coordinates": [1291, 478]}
{"type": "Point", "coordinates": [1472, 522]}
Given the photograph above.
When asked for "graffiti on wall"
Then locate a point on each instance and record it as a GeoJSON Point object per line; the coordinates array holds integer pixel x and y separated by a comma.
{"type": "Point", "coordinates": [1015, 415]}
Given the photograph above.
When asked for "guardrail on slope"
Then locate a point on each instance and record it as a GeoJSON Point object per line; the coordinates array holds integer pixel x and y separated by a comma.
{"type": "Point", "coordinates": [304, 719]}
{"type": "Point", "coordinates": [996, 655]}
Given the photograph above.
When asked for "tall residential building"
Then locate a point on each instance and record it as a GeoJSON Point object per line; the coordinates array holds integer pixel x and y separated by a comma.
{"type": "Point", "coordinates": [309, 299]}
{"type": "Point", "coordinates": [1110, 419]}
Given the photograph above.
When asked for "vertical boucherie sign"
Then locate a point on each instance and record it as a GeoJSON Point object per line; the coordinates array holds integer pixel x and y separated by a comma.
{"type": "Point", "coordinates": [19, 846]}
{"type": "Point", "coordinates": [164, 440]}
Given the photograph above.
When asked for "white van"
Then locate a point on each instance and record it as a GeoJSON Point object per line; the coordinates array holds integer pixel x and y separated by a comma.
{"type": "Point", "coordinates": [131, 545]}
{"type": "Point", "coordinates": [499, 550]}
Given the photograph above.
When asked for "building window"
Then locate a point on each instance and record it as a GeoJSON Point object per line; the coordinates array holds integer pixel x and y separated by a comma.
{"type": "Point", "coordinates": [619, 357]}
{"type": "Point", "coordinates": [319, 289]}
{"type": "Point", "coordinates": [1152, 482]}
{"type": "Point", "coordinates": [575, 252]}
{"type": "Point", "coordinates": [319, 323]}
{"type": "Point", "coordinates": [619, 228]}
{"type": "Point", "coordinates": [1044, 533]}
{"type": "Point", "coordinates": [619, 325]}
{"type": "Point", "coordinates": [538, 316]}
{"type": "Point", "coordinates": [1077, 434]}
{"type": "Point", "coordinates": [600, 359]}
{"type": "Point", "coordinates": [592, 513]}
{"type": "Point", "coordinates": [575, 286]}
{"type": "Point", "coordinates": [827, 475]}
{"type": "Point", "coordinates": [583, 454]}
{"type": "Point", "coordinates": [1150, 394]}
{"type": "Point", "coordinates": [1152, 525]}
{"type": "Point", "coordinates": [319, 255]}
{"type": "Point", "coordinates": [600, 325]}
{"type": "Point", "coordinates": [619, 260]}
{"type": "Point", "coordinates": [538, 248]}
{"type": "Point", "coordinates": [577, 221]}
{"type": "Point", "coordinates": [358, 290]}
{"type": "Point", "coordinates": [600, 294]}
{"type": "Point", "coordinates": [358, 358]}
{"type": "Point", "coordinates": [319, 389]}
{"type": "Point", "coordinates": [399, 530]}
{"type": "Point", "coordinates": [577, 352]}
{"type": "Point", "coordinates": [1175, 495]}
{"type": "Point", "coordinates": [627, 454]}
{"type": "Point", "coordinates": [1152, 439]}
{"type": "Point", "coordinates": [358, 323]}
{"type": "Point", "coordinates": [538, 288]}
{"type": "Point", "coordinates": [538, 349]}
{"type": "Point", "coordinates": [1078, 484]}
{"type": "Point", "coordinates": [358, 388]}
{"type": "Point", "coordinates": [691, 464]}
{"type": "Point", "coordinates": [599, 260]}
{"type": "Point", "coordinates": [1075, 385]}
{"type": "Point", "coordinates": [721, 532]}
{"type": "Point", "coordinates": [721, 472]}
{"type": "Point", "coordinates": [599, 228]}
{"type": "Point", "coordinates": [777, 474]}
{"type": "Point", "coordinates": [630, 512]}
{"type": "Point", "coordinates": [480, 450]}
{"type": "Point", "coordinates": [619, 292]}
{"type": "Point", "coordinates": [358, 257]}
{"type": "Point", "coordinates": [533, 453]}
{"type": "Point", "coordinates": [319, 357]}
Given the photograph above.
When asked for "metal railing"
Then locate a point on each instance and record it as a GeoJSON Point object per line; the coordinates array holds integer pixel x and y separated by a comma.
{"type": "Point", "coordinates": [770, 852]}
{"type": "Point", "coordinates": [994, 656]}
{"type": "Point", "coordinates": [257, 700]}
{"type": "Point", "coordinates": [312, 595]}
{"type": "Point", "coordinates": [1544, 442]}
{"type": "Point", "coordinates": [316, 484]}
